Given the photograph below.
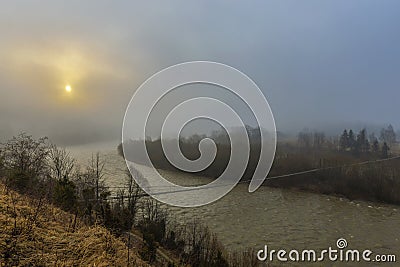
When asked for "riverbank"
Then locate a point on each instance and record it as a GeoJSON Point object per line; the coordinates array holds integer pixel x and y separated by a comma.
{"type": "Point", "coordinates": [364, 177]}
{"type": "Point", "coordinates": [354, 165]}
{"type": "Point", "coordinates": [356, 175]}
{"type": "Point", "coordinates": [34, 233]}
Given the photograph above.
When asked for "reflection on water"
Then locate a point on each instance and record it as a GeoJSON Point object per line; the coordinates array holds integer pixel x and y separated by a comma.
{"type": "Point", "coordinates": [284, 218]}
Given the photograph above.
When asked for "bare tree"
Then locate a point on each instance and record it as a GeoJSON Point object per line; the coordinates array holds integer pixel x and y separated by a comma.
{"type": "Point", "coordinates": [96, 184]}
{"type": "Point", "coordinates": [388, 135]}
{"type": "Point", "coordinates": [92, 190]}
{"type": "Point", "coordinates": [61, 164]}
{"type": "Point", "coordinates": [151, 211]}
{"type": "Point", "coordinates": [95, 172]}
{"type": "Point", "coordinates": [305, 139]}
{"type": "Point", "coordinates": [134, 192]}
{"type": "Point", "coordinates": [24, 158]}
{"type": "Point", "coordinates": [319, 139]}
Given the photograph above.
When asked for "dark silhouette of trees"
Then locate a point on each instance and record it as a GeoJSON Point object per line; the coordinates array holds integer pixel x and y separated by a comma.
{"type": "Point", "coordinates": [134, 194]}
{"type": "Point", "coordinates": [374, 143]}
{"type": "Point", "coordinates": [375, 146]}
{"type": "Point", "coordinates": [352, 140]}
{"type": "Point", "coordinates": [344, 141]}
{"type": "Point", "coordinates": [304, 139]}
{"type": "Point", "coordinates": [319, 139]}
{"type": "Point", "coordinates": [385, 150]}
{"type": "Point", "coordinates": [61, 164]}
{"type": "Point", "coordinates": [24, 160]}
{"type": "Point", "coordinates": [362, 144]}
{"type": "Point", "coordinates": [65, 195]}
{"type": "Point", "coordinates": [95, 188]}
{"type": "Point", "coordinates": [309, 140]}
{"type": "Point", "coordinates": [388, 135]}
{"type": "Point", "coordinates": [61, 169]}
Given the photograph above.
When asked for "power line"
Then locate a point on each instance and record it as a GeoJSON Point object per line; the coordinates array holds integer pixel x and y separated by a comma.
{"type": "Point", "coordinates": [195, 187]}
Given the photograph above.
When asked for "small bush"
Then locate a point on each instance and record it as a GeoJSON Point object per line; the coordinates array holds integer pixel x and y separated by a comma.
{"type": "Point", "coordinates": [64, 195]}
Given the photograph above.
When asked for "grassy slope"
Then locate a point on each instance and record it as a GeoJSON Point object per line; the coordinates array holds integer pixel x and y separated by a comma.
{"type": "Point", "coordinates": [45, 236]}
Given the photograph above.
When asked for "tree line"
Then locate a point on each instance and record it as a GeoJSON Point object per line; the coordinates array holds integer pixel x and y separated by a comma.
{"type": "Point", "coordinates": [350, 141]}
{"type": "Point", "coordinates": [375, 181]}
{"type": "Point", "coordinates": [362, 143]}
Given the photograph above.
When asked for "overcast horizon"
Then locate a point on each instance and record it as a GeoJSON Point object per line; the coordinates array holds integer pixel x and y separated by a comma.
{"type": "Point", "coordinates": [322, 65]}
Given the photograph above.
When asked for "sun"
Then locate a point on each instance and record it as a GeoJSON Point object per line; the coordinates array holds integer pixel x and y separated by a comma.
{"type": "Point", "coordinates": [68, 88]}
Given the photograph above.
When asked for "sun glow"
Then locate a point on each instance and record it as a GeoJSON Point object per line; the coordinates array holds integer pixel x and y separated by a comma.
{"type": "Point", "coordinates": [68, 88]}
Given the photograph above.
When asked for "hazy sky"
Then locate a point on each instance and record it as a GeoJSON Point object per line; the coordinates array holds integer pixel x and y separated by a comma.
{"type": "Point", "coordinates": [317, 62]}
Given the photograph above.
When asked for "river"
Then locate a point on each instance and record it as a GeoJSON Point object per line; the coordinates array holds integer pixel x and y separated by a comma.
{"type": "Point", "coordinates": [284, 219]}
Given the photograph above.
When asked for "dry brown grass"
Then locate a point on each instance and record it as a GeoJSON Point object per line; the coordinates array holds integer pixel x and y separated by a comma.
{"type": "Point", "coordinates": [32, 234]}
